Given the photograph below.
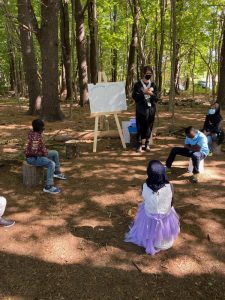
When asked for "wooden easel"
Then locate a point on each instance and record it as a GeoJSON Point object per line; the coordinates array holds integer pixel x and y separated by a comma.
{"type": "Point", "coordinates": [100, 117]}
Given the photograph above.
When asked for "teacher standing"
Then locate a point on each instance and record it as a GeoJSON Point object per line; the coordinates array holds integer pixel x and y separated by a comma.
{"type": "Point", "coordinates": [145, 96]}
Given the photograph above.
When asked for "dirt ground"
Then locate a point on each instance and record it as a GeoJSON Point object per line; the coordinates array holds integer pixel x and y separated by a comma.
{"type": "Point", "coordinates": [70, 246]}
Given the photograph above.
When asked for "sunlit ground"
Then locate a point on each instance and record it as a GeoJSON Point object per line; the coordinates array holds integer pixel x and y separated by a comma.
{"type": "Point", "coordinates": [70, 246]}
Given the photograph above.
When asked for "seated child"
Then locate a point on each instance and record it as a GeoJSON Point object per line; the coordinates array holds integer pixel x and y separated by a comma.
{"type": "Point", "coordinates": [195, 147]}
{"type": "Point", "coordinates": [213, 126]}
{"type": "Point", "coordinates": [37, 155]}
{"type": "Point", "coordinates": [156, 225]}
{"type": "Point", "coordinates": [4, 222]}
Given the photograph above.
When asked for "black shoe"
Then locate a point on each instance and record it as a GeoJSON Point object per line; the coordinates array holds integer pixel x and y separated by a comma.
{"type": "Point", "coordinates": [6, 223]}
{"type": "Point", "coordinates": [139, 149]}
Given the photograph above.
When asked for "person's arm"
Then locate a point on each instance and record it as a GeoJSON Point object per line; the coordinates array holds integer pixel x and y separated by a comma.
{"type": "Point", "coordinates": [195, 148]}
{"type": "Point", "coordinates": [154, 94]}
{"type": "Point", "coordinates": [206, 124]}
{"type": "Point", "coordinates": [138, 93]}
{"type": "Point", "coordinates": [42, 150]}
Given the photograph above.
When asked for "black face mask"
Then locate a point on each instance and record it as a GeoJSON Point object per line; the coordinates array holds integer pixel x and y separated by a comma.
{"type": "Point", "coordinates": [147, 77]}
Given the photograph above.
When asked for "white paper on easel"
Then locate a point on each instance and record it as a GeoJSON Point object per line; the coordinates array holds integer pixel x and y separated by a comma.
{"type": "Point", "coordinates": [107, 97]}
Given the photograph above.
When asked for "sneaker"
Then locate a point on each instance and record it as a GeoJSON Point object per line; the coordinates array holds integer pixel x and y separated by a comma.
{"type": "Point", "coordinates": [139, 149]}
{"type": "Point", "coordinates": [6, 223]}
{"type": "Point", "coordinates": [210, 153]}
{"type": "Point", "coordinates": [195, 178]}
{"type": "Point", "coordinates": [147, 148]}
{"type": "Point", "coordinates": [60, 176]}
{"type": "Point", "coordinates": [51, 190]}
{"type": "Point", "coordinates": [168, 170]}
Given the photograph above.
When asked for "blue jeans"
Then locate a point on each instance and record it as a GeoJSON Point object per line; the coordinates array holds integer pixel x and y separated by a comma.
{"type": "Point", "coordinates": [51, 162]}
{"type": "Point", "coordinates": [195, 156]}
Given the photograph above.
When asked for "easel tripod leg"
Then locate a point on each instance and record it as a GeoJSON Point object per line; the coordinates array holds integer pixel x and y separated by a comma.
{"type": "Point", "coordinates": [120, 130]}
{"type": "Point", "coordinates": [95, 134]}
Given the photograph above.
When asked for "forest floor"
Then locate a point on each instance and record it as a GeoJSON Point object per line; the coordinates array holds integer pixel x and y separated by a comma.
{"type": "Point", "coordinates": [70, 246]}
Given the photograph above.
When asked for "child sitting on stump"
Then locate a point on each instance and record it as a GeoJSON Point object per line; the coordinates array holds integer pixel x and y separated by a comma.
{"type": "Point", "coordinates": [37, 155]}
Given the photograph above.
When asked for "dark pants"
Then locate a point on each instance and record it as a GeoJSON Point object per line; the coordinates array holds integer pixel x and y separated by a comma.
{"type": "Point", "coordinates": [144, 125]}
{"type": "Point", "coordinates": [195, 156]}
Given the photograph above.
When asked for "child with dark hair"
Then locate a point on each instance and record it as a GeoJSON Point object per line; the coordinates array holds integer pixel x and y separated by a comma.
{"type": "Point", "coordinates": [38, 155]}
{"type": "Point", "coordinates": [156, 225]}
{"type": "Point", "coordinates": [213, 126]}
{"type": "Point", "coordinates": [195, 147]}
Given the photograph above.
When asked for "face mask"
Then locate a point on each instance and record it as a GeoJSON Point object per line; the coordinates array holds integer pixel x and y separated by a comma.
{"type": "Point", "coordinates": [211, 111]}
{"type": "Point", "coordinates": [147, 77]}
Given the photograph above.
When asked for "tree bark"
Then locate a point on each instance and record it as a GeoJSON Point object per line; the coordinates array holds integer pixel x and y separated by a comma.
{"type": "Point", "coordinates": [65, 43]}
{"type": "Point", "coordinates": [28, 55]}
{"type": "Point", "coordinates": [114, 50]}
{"type": "Point", "coordinates": [81, 52]}
{"type": "Point", "coordinates": [161, 49]}
{"type": "Point", "coordinates": [93, 29]}
{"type": "Point", "coordinates": [173, 58]}
{"type": "Point", "coordinates": [132, 49]}
{"type": "Point", "coordinates": [49, 55]}
{"type": "Point", "coordinates": [221, 86]}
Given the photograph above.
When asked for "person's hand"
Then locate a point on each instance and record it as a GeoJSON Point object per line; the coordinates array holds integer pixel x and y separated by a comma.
{"type": "Point", "coordinates": [148, 92]}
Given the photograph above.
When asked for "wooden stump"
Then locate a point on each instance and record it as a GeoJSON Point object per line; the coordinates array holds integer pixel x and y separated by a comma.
{"type": "Point", "coordinates": [32, 175]}
{"type": "Point", "coordinates": [72, 149]}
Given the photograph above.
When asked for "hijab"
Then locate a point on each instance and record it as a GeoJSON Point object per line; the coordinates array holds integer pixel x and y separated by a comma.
{"type": "Point", "coordinates": [157, 178]}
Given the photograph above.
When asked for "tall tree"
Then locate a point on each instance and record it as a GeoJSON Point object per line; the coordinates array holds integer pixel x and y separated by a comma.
{"type": "Point", "coordinates": [47, 36]}
{"type": "Point", "coordinates": [173, 57]}
{"type": "Point", "coordinates": [29, 58]}
{"type": "Point", "coordinates": [114, 50]}
{"type": "Point", "coordinates": [221, 87]}
{"type": "Point", "coordinates": [93, 29]}
{"type": "Point", "coordinates": [65, 43]}
{"type": "Point", "coordinates": [133, 46]}
{"type": "Point", "coordinates": [81, 50]}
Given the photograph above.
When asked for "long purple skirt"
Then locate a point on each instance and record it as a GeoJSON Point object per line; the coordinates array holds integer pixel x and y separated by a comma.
{"type": "Point", "coordinates": [150, 232]}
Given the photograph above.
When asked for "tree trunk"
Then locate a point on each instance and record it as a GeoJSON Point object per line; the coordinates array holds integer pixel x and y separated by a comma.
{"type": "Point", "coordinates": [81, 52]}
{"type": "Point", "coordinates": [28, 54]}
{"type": "Point", "coordinates": [221, 87]}
{"type": "Point", "coordinates": [114, 50]}
{"type": "Point", "coordinates": [173, 58]}
{"type": "Point", "coordinates": [132, 50]}
{"type": "Point", "coordinates": [93, 29]}
{"type": "Point", "coordinates": [65, 43]}
{"type": "Point", "coordinates": [161, 49]}
{"type": "Point", "coordinates": [49, 55]}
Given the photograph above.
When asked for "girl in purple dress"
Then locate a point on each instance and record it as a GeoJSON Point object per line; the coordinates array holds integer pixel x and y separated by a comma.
{"type": "Point", "coordinates": [156, 225]}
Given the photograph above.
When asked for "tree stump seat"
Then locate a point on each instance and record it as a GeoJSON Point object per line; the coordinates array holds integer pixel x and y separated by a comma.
{"type": "Point", "coordinates": [32, 175]}
{"type": "Point", "coordinates": [72, 149]}
{"type": "Point", "coordinates": [201, 166]}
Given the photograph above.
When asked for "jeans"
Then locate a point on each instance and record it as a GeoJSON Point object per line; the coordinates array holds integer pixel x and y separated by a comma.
{"type": "Point", "coordinates": [51, 162]}
{"type": "Point", "coordinates": [2, 206]}
{"type": "Point", "coordinates": [210, 142]}
{"type": "Point", "coordinates": [195, 156]}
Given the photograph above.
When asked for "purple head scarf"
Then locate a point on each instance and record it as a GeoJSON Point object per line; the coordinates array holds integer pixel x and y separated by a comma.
{"type": "Point", "coordinates": [156, 175]}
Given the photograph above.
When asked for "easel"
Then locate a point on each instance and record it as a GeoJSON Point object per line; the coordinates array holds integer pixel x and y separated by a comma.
{"type": "Point", "coordinates": [99, 117]}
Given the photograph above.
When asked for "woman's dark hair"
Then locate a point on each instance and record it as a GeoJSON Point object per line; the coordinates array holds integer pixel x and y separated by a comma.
{"type": "Point", "coordinates": [38, 125]}
{"type": "Point", "coordinates": [147, 69]}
